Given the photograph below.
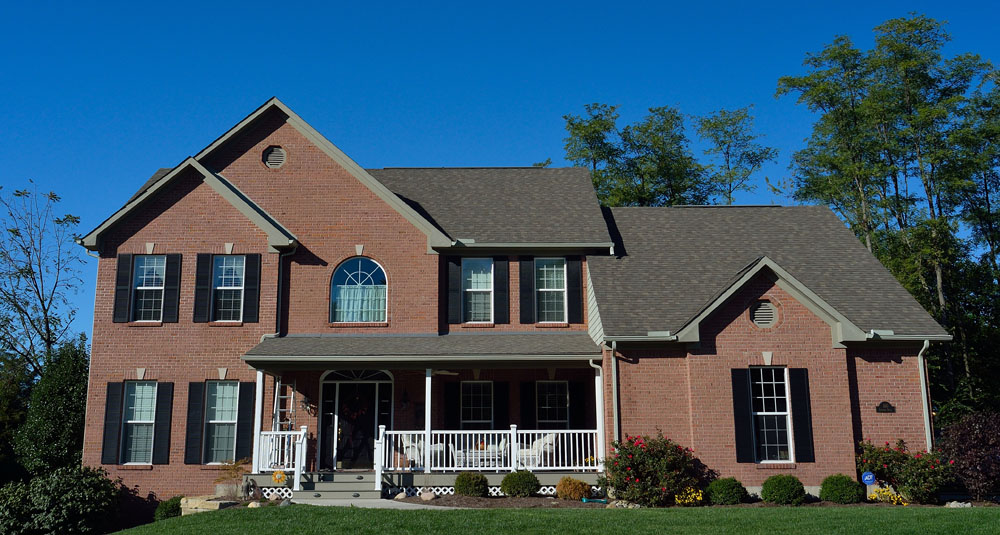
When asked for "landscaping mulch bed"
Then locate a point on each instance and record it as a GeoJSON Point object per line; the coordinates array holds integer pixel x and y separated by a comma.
{"type": "Point", "coordinates": [506, 502]}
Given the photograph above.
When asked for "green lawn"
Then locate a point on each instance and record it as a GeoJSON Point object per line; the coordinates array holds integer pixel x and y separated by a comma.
{"type": "Point", "coordinates": [305, 519]}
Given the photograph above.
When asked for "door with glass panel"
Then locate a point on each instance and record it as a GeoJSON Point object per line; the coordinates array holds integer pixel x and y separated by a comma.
{"type": "Point", "coordinates": [354, 404]}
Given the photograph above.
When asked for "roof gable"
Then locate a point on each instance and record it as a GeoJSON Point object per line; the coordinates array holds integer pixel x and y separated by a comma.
{"type": "Point", "coordinates": [277, 236]}
{"type": "Point", "coordinates": [435, 237]}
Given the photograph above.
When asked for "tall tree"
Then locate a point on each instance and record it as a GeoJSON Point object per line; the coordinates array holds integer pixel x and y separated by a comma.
{"type": "Point", "coordinates": [648, 163]}
{"type": "Point", "coordinates": [734, 149]}
{"type": "Point", "coordinates": [39, 269]}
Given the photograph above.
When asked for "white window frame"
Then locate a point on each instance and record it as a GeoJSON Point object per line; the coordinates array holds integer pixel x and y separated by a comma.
{"type": "Point", "coordinates": [205, 448]}
{"type": "Point", "coordinates": [538, 406]}
{"type": "Point", "coordinates": [136, 287]}
{"type": "Point", "coordinates": [461, 408]}
{"type": "Point", "coordinates": [152, 424]}
{"type": "Point", "coordinates": [336, 270]}
{"type": "Point", "coordinates": [790, 435]}
{"type": "Point", "coordinates": [565, 318]}
{"type": "Point", "coordinates": [490, 291]}
{"type": "Point", "coordinates": [241, 287]}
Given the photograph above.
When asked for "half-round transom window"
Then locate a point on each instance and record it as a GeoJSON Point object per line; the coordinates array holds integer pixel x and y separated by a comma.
{"type": "Point", "coordinates": [357, 291]}
{"type": "Point", "coordinates": [763, 314]}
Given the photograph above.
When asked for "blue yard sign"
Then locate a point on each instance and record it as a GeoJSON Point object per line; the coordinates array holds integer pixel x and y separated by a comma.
{"type": "Point", "coordinates": [868, 478]}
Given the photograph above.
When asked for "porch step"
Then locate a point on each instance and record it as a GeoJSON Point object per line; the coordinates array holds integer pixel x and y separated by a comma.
{"type": "Point", "coordinates": [339, 477]}
{"type": "Point", "coordinates": [357, 494]}
{"type": "Point", "coordinates": [336, 486]}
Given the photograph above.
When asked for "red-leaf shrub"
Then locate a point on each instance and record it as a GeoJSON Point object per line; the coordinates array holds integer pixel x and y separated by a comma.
{"type": "Point", "coordinates": [974, 445]}
{"type": "Point", "coordinates": [651, 471]}
{"type": "Point", "coordinates": [918, 477]}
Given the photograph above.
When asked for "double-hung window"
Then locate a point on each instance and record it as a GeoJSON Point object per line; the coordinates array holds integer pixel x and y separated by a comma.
{"type": "Point", "coordinates": [477, 405]}
{"type": "Point", "coordinates": [149, 274]}
{"type": "Point", "coordinates": [477, 290]}
{"type": "Point", "coordinates": [137, 422]}
{"type": "Point", "coordinates": [221, 410]}
{"type": "Point", "coordinates": [771, 416]}
{"type": "Point", "coordinates": [550, 288]}
{"type": "Point", "coordinates": [553, 404]}
{"type": "Point", "coordinates": [227, 287]}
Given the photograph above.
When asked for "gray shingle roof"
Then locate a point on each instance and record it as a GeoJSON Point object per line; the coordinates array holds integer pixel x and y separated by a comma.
{"type": "Point", "coordinates": [152, 180]}
{"type": "Point", "coordinates": [503, 205]}
{"type": "Point", "coordinates": [555, 344]}
{"type": "Point", "coordinates": [678, 259]}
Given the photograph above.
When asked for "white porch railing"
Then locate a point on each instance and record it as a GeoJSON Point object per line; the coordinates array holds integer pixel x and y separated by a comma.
{"type": "Point", "coordinates": [491, 451]}
{"type": "Point", "coordinates": [282, 450]}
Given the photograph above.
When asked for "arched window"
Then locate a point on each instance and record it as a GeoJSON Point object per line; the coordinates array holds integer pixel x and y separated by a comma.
{"type": "Point", "coordinates": [357, 291]}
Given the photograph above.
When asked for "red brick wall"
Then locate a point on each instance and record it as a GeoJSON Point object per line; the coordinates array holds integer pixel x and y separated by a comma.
{"type": "Point", "coordinates": [688, 395]}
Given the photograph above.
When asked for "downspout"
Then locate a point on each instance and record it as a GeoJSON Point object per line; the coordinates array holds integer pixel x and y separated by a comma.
{"type": "Point", "coordinates": [601, 438]}
{"type": "Point", "coordinates": [614, 391]}
{"type": "Point", "coordinates": [924, 396]}
{"type": "Point", "coordinates": [278, 296]}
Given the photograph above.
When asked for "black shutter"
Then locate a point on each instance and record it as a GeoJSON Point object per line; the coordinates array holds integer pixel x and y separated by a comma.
{"type": "Point", "coordinates": [203, 289]}
{"type": "Point", "coordinates": [251, 288]}
{"type": "Point", "coordinates": [501, 291]}
{"type": "Point", "coordinates": [112, 422]}
{"type": "Point", "coordinates": [801, 415]}
{"type": "Point", "coordinates": [244, 421]}
{"type": "Point", "coordinates": [123, 289]}
{"type": "Point", "coordinates": [527, 278]}
{"type": "Point", "coordinates": [528, 409]}
{"type": "Point", "coordinates": [578, 404]}
{"type": "Point", "coordinates": [452, 406]}
{"type": "Point", "coordinates": [574, 290]}
{"type": "Point", "coordinates": [195, 415]}
{"type": "Point", "coordinates": [501, 405]}
{"type": "Point", "coordinates": [454, 290]}
{"type": "Point", "coordinates": [172, 288]}
{"type": "Point", "coordinates": [742, 416]}
{"type": "Point", "coordinates": [161, 425]}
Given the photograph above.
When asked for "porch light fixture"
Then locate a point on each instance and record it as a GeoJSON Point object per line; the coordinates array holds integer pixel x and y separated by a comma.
{"type": "Point", "coordinates": [404, 402]}
{"type": "Point", "coordinates": [307, 406]}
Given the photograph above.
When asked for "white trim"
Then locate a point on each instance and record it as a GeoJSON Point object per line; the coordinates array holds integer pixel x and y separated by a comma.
{"type": "Point", "coordinates": [461, 406]}
{"type": "Point", "coordinates": [241, 287]}
{"type": "Point", "coordinates": [205, 422]}
{"type": "Point", "coordinates": [564, 290]}
{"type": "Point", "coordinates": [479, 290]}
{"type": "Point", "coordinates": [135, 288]}
{"type": "Point", "coordinates": [787, 413]}
{"type": "Point", "coordinates": [151, 423]}
{"type": "Point", "coordinates": [336, 409]}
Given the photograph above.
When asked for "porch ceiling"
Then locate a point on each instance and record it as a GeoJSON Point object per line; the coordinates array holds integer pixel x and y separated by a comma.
{"type": "Point", "coordinates": [454, 350]}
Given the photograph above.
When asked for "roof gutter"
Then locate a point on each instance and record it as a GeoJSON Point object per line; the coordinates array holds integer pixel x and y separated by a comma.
{"type": "Point", "coordinates": [408, 358]}
{"type": "Point", "coordinates": [888, 334]}
{"type": "Point", "coordinates": [651, 336]}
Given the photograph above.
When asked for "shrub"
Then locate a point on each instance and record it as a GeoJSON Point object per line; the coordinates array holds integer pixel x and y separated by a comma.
{"type": "Point", "coordinates": [690, 497]}
{"type": "Point", "coordinates": [52, 434]}
{"type": "Point", "coordinates": [572, 489]}
{"type": "Point", "coordinates": [973, 445]}
{"type": "Point", "coordinates": [918, 477]}
{"type": "Point", "coordinates": [168, 508]}
{"type": "Point", "coordinates": [726, 491]}
{"type": "Point", "coordinates": [520, 484]}
{"type": "Point", "coordinates": [840, 488]}
{"type": "Point", "coordinates": [73, 500]}
{"type": "Point", "coordinates": [783, 489]}
{"type": "Point", "coordinates": [472, 484]}
{"type": "Point", "coordinates": [651, 471]}
{"type": "Point", "coordinates": [15, 509]}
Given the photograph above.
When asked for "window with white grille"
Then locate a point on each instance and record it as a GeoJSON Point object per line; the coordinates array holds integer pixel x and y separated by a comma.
{"type": "Point", "coordinates": [552, 399]}
{"type": "Point", "coordinates": [227, 283]}
{"type": "Point", "coordinates": [771, 416]}
{"type": "Point", "coordinates": [477, 405]}
{"type": "Point", "coordinates": [477, 290]}
{"type": "Point", "coordinates": [149, 274]}
{"type": "Point", "coordinates": [138, 418]}
{"type": "Point", "coordinates": [550, 287]}
{"type": "Point", "coordinates": [221, 404]}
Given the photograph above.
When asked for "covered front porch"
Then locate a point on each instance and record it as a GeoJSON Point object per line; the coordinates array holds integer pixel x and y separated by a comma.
{"type": "Point", "coordinates": [385, 416]}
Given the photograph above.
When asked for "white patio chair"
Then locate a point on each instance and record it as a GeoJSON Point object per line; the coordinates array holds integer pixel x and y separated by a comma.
{"type": "Point", "coordinates": [531, 456]}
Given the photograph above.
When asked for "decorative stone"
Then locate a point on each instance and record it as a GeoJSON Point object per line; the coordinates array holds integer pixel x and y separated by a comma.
{"type": "Point", "coordinates": [276, 497]}
{"type": "Point", "coordinates": [428, 496]}
{"type": "Point", "coordinates": [958, 504]}
{"type": "Point", "coordinates": [285, 503]}
{"type": "Point", "coordinates": [198, 504]}
{"type": "Point", "coordinates": [400, 496]}
{"type": "Point", "coordinates": [253, 505]}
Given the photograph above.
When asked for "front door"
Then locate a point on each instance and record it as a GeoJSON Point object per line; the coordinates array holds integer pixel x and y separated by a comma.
{"type": "Point", "coordinates": [356, 418]}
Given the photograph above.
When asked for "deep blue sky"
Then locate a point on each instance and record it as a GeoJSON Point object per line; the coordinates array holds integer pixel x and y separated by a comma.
{"type": "Point", "coordinates": [94, 98]}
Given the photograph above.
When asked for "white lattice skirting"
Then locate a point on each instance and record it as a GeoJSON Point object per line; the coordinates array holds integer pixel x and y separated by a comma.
{"type": "Point", "coordinates": [269, 492]}
{"type": "Point", "coordinates": [545, 490]}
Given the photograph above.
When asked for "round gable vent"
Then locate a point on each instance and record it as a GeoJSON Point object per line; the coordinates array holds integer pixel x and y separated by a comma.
{"type": "Point", "coordinates": [274, 157]}
{"type": "Point", "coordinates": [763, 314]}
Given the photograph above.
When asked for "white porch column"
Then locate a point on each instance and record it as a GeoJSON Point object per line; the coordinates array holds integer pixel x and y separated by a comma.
{"type": "Point", "coordinates": [258, 420]}
{"type": "Point", "coordinates": [427, 420]}
{"type": "Point", "coordinates": [599, 393]}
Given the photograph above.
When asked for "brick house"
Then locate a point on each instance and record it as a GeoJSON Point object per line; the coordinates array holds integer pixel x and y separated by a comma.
{"type": "Point", "coordinates": [362, 329]}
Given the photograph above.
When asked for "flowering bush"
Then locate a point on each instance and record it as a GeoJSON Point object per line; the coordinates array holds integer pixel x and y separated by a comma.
{"type": "Point", "coordinates": [974, 444]}
{"type": "Point", "coordinates": [689, 497]}
{"type": "Point", "coordinates": [651, 471]}
{"type": "Point", "coordinates": [886, 495]}
{"type": "Point", "coordinates": [918, 477]}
